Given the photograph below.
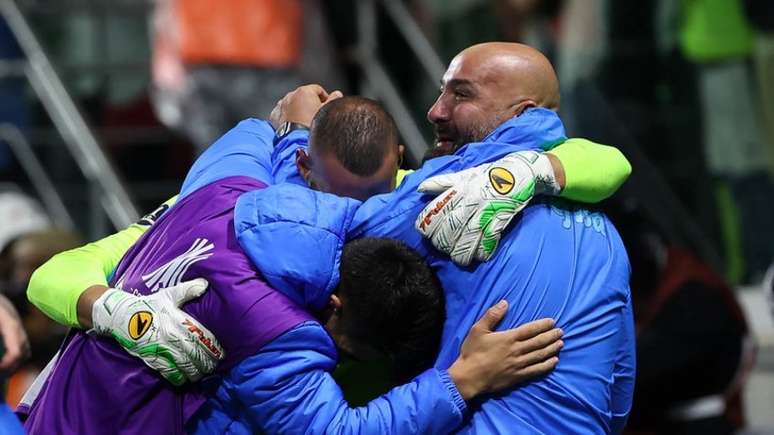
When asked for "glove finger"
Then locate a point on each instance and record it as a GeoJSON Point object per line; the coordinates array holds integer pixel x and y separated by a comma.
{"type": "Point", "coordinates": [191, 371]}
{"type": "Point", "coordinates": [467, 242]}
{"type": "Point", "coordinates": [204, 339]}
{"type": "Point", "coordinates": [429, 220]}
{"type": "Point", "coordinates": [162, 360]}
{"type": "Point", "coordinates": [182, 357]}
{"type": "Point", "coordinates": [451, 232]}
{"type": "Point", "coordinates": [185, 291]}
{"type": "Point", "coordinates": [495, 224]}
{"type": "Point", "coordinates": [439, 183]}
{"type": "Point", "coordinates": [193, 357]}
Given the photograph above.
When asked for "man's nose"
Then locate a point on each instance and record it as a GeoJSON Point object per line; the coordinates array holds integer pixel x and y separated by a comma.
{"type": "Point", "coordinates": [438, 112]}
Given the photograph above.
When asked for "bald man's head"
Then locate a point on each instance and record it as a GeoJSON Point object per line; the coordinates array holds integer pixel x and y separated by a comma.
{"type": "Point", "coordinates": [484, 86]}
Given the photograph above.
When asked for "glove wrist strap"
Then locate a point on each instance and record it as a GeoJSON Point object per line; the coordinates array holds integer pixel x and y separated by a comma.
{"type": "Point", "coordinates": [545, 176]}
{"type": "Point", "coordinates": [103, 309]}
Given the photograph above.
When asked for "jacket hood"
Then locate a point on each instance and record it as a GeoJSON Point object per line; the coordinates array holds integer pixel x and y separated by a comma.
{"type": "Point", "coordinates": [295, 237]}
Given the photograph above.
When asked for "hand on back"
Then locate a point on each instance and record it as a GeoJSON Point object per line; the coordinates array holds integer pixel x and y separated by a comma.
{"type": "Point", "coordinates": [490, 361]}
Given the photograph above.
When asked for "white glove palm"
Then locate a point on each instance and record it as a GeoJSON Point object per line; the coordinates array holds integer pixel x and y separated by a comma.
{"type": "Point", "coordinates": [156, 330]}
{"type": "Point", "coordinates": [467, 219]}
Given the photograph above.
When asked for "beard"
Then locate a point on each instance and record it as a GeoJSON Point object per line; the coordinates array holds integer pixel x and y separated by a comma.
{"type": "Point", "coordinates": [473, 134]}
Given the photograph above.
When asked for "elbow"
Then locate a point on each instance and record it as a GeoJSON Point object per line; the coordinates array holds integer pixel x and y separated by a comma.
{"type": "Point", "coordinates": [621, 171]}
{"type": "Point", "coordinates": [36, 286]}
{"type": "Point", "coordinates": [626, 166]}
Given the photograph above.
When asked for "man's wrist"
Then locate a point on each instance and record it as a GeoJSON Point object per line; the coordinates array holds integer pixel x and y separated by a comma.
{"type": "Point", "coordinates": [544, 167]}
{"type": "Point", "coordinates": [86, 305]}
{"type": "Point", "coordinates": [451, 387]}
{"type": "Point", "coordinates": [558, 169]}
{"type": "Point", "coordinates": [286, 128]}
{"type": "Point", "coordinates": [289, 126]}
{"type": "Point", "coordinates": [466, 384]}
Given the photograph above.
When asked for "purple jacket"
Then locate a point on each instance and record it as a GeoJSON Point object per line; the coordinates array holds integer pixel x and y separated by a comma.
{"type": "Point", "coordinates": [96, 387]}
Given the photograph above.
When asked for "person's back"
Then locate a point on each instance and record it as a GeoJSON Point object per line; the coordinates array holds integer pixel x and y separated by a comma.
{"type": "Point", "coordinates": [565, 262]}
{"type": "Point", "coordinates": [85, 394]}
{"type": "Point", "coordinates": [560, 261]}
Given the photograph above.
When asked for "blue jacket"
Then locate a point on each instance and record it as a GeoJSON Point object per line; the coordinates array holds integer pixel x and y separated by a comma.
{"type": "Point", "coordinates": [558, 260]}
{"type": "Point", "coordinates": [286, 387]}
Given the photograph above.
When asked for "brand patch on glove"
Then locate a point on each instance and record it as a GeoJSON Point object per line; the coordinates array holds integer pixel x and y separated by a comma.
{"type": "Point", "coordinates": [203, 339]}
{"type": "Point", "coordinates": [139, 324]}
{"type": "Point", "coordinates": [502, 180]}
{"type": "Point", "coordinates": [437, 209]}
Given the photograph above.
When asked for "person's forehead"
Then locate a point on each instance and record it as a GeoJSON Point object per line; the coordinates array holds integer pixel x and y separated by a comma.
{"type": "Point", "coordinates": [468, 70]}
{"type": "Point", "coordinates": [458, 71]}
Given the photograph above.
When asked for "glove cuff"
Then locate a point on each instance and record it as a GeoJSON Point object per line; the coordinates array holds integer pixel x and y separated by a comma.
{"type": "Point", "coordinates": [545, 177]}
{"type": "Point", "coordinates": [103, 309]}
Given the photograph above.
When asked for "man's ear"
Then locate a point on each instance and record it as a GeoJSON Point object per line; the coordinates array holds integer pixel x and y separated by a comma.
{"type": "Point", "coordinates": [519, 108]}
{"type": "Point", "coordinates": [303, 164]}
{"type": "Point", "coordinates": [401, 150]}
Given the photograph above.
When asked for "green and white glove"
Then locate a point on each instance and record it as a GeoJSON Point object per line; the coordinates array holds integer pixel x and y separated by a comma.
{"type": "Point", "coordinates": [154, 329]}
{"type": "Point", "coordinates": [475, 206]}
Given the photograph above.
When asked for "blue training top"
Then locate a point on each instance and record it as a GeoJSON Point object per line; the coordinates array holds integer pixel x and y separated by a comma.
{"type": "Point", "coordinates": [557, 260]}
{"type": "Point", "coordinates": [286, 386]}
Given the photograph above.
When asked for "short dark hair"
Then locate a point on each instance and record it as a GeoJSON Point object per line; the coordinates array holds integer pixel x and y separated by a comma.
{"type": "Point", "coordinates": [357, 130]}
{"type": "Point", "coordinates": [395, 302]}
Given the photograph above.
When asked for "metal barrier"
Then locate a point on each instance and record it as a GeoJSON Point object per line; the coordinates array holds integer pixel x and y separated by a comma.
{"type": "Point", "coordinates": [378, 81]}
{"type": "Point", "coordinates": [78, 137]}
{"type": "Point", "coordinates": [40, 180]}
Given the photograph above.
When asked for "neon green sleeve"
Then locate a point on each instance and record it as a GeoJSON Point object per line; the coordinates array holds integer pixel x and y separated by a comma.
{"type": "Point", "coordinates": [401, 175]}
{"type": "Point", "coordinates": [592, 171]}
{"type": "Point", "coordinates": [56, 286]}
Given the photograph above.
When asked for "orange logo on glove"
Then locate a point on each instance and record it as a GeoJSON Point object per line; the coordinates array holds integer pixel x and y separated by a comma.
{"type": "Point", "coordinates": [437, 209]}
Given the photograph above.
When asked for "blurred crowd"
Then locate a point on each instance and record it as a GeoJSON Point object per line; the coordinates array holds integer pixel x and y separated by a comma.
{"type": "Point", "coordinates": [685, 88]}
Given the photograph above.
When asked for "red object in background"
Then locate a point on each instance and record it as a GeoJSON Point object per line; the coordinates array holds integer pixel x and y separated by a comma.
{"type": "Point", "coordinates": [264, 33]}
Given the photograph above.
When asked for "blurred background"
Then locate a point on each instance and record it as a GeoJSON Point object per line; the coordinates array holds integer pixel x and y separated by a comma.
{"type": "Point", "coordinates": [104, 104]}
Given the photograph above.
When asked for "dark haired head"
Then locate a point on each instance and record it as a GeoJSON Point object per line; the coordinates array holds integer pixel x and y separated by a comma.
{"type": "Point", "coordinates": [391, 302]}
{"type": "Point", "coordinates": [358, 131]}
{"type": "Point", "coordinates": [353, 149]}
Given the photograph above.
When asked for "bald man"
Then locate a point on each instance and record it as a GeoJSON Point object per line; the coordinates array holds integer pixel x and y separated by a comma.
{"type": "Point", "coordinates": [484, 86]}
{"type": "Point", "coordinates": [558, 259]}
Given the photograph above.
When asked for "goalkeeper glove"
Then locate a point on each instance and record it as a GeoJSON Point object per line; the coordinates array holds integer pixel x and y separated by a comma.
{"type": "Point", "coordinates": [154, 329]}
{"type": "Point", "coordinates": [475, 206]}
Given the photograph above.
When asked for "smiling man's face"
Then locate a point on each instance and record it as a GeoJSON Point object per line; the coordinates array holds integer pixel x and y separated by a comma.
{"type": "Point", "coordinates": [484, 86]}
{"type": "Point", "coordinates": [469, 106]}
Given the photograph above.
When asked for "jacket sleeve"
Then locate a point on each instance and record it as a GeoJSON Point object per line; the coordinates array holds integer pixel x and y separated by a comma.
{"type": "Point", "coordinates": [56, 286]}
{"type": "Point", "coordinates": [244, 150]}
{"type": "Point", "coordinates": [283, 158]}
{"type": "Point", "coordinates": [593, 172]}
{"type": "Point", "coordinates": [287, 387]}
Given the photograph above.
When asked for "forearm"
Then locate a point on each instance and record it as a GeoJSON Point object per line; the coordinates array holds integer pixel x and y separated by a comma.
{"type": "Point", "coordinates": [590, 172]}
{"type": "Point", "coordinates": [66, 286]}
{"type": "Point", "coordinates": [14, 345]}
{"type": "Point", "coordinates": [283, 157]}
{"type": "Point", "coordinates": [287, 385]}
{"type": "Point", "coordinates": [245, 150]}
{"type": "Point", "coordinates": [428, 404]}
{"type": "Point", "coordinates": [86, 303]}
{"type": "Point", "coordinates": [56, 287]}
